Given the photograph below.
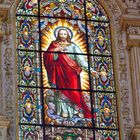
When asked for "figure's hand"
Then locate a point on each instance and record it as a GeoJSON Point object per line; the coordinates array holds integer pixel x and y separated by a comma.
{"type": "Point", "coordinates": [95, 73]}
{"type": "Point", "coordinates": [59, 49]}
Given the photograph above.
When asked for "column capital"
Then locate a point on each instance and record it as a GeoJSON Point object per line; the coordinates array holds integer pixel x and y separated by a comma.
{"type": "Point", "coordinates": [4, 9]}
{"type": "Point", "coordinates": [4, 122]}
{"type": "Point", "coordinates": [4, 126]}
{"type": "Point", "coordinates": [136, 132]}
{"type": "Point", "coordinates": [133, 36]}
{"type": "Point", "coordinates": [131, 24]}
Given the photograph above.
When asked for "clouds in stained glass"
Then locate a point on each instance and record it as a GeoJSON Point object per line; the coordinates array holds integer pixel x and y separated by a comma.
{"type": "Point", "coordinates": [59, 110]}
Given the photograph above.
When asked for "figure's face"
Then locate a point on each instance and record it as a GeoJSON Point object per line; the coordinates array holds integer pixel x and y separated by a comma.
{"type": "Point", "coordinates": [63, 35]}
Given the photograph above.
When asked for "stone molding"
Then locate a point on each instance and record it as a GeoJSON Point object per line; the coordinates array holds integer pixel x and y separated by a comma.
{"type": "Point", "coordinates": [131, 24]}
{"type": "Point", "coordinates": [131, 4]}
{"type": "Point", "coordinates": [136, 133]}
{"type": "Point", "coordinates": [4, 122]}
{"type": "Point", "coordinates": [4, 126]}
{"type": "Point", "coordinates": [133, 33]}
{"type": "Point", "coordinates": [4, 11]}
{"type": "Point", "coordinates": [127, 20]}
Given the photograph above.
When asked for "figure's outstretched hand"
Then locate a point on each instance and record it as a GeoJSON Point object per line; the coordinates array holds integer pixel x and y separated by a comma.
{"type": "Point", "coordinates": [95, 73]}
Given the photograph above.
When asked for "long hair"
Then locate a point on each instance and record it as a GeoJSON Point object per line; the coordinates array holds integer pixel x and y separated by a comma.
{"type": "Point", "coordinates": [58, 37]}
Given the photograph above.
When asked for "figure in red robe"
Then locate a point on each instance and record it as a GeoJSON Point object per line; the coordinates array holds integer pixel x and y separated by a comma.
{"type": "Point", "coordinates": [64, 69]}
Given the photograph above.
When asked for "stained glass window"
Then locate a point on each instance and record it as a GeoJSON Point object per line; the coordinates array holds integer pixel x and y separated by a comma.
{"type": "Point", "coordinates": [66, 86]}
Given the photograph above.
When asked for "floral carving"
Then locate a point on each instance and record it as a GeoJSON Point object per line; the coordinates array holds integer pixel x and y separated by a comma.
{"type": "Point", "coordinates": [133, 30]}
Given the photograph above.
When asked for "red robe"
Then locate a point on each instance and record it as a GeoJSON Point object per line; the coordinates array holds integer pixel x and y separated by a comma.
{"type": "Point", "coordinates": [65, 73]}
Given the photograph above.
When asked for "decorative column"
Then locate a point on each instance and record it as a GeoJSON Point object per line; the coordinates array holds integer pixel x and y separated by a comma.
{"type": "Point", "coordinates": [1, 36]}
{"type": "Point", "coordinates": [3, 17]}
{"type": "Point", "coordinates": [4, 123]}
{"type": "Point", "coordinates": [131, 25]}
{"type": "Point", "coordinates": [134, 47]}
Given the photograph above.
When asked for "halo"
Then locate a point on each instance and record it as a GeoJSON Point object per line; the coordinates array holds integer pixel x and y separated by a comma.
{"type": "Point", "coordinates": [65, 28]}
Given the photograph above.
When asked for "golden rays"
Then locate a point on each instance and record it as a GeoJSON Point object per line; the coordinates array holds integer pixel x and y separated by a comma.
{"type": "Point", "coordinates": [48, 36]}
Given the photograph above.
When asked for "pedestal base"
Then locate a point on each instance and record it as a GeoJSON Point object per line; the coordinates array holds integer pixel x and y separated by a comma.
{"type": "Point", "coordinates": [136, 133]}
{"type": "Point", "coordinates": [4, 124]}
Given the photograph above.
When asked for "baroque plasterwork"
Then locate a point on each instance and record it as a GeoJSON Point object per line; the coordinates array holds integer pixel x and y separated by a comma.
{"type": "Point", "coordinates": [120, 56]}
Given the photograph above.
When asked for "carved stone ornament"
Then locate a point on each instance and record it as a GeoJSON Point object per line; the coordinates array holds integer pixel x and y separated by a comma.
{"type": "Point", "coordinates": [133, 33]}
{"type": "Point", "coordinates": [133, 30]}
{"type": "Point", "coordinates": [133, 4]}
{"type": "Point", "coordinates": [4, 125]}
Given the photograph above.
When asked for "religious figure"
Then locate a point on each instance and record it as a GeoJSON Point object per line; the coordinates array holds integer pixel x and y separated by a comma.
{"type": "Point", "coordinates": [64, 69]}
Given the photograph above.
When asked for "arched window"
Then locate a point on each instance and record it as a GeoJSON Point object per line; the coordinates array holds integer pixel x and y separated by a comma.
{"type": "Point", "coordinates": [66, 88]}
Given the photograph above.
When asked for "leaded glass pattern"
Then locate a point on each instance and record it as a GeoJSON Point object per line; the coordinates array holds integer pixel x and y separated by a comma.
{"type": "Point", "coordinates": [60, 44]}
